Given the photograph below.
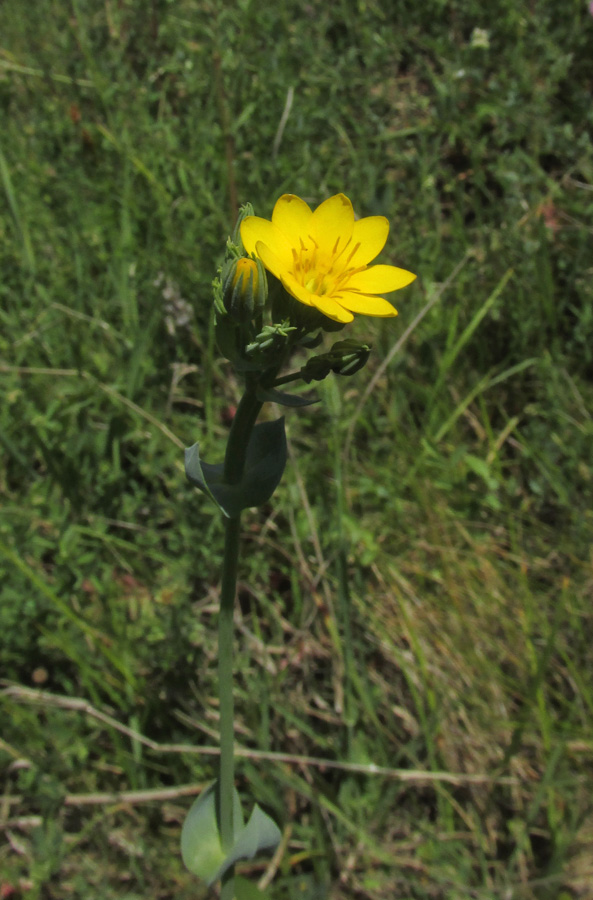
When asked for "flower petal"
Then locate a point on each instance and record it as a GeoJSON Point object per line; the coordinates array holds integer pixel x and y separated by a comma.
{"type": "Point", "coordinates": [292, 215]}
{"type": "Point", "coordinates": [254, 230]}
{"type": "Point", "coordinates": [365, 304]}
{"type": "Point", "coordinates": [379, 280]}
{"type": "Point", "coordinates": [368, 239]}
{"type": "Point", "coordinates": [297, 290]}
{"type": "Point", "coordinates": [331, 225]}
{"type": "Point", "coordinates": [331, 309]}
{"type": "Point", "coordinates": [271, 261]}
{"type": "Point", "coordinates": [277, 268]}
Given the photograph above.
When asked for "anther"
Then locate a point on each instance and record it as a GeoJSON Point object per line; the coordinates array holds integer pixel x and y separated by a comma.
{"type": "Point", "coordinates": [356, 246]}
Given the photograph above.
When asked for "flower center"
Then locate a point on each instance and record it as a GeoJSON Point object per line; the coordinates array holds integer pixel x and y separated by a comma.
{"type": "Point", "coordinates": [322, 274]}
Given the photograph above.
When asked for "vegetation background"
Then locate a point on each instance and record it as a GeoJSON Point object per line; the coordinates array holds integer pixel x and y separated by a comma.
{"type": "Point", "coordinates": [444, 493]}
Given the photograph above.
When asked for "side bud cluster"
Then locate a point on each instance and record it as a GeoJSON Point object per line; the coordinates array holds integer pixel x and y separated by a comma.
{"type": "Point", "coordinates": [344, 358]}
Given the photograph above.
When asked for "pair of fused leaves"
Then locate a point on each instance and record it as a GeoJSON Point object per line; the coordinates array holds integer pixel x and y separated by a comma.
{"type": "Point", "coordinates": [264, 464]}
{"type": "Point", "coordinates": [266, 450]}
{"type": "Point", "coordinates": [201, 847]}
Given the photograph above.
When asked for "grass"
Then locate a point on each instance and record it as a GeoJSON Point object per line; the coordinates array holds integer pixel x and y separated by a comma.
{"type": "Point", "coordinates": [443, 494]}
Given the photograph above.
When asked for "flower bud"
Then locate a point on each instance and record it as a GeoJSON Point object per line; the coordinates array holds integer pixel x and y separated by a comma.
{"type": "Point", "coordinates": [244, 288]}
{"type": "Point", "coordinates": [349, 356]}
{"type": "Point", "coordinates": [344, 358]}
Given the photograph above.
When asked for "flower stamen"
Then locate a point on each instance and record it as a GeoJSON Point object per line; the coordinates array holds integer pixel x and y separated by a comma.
{"type": "Point", "coordinates": [352, 252]}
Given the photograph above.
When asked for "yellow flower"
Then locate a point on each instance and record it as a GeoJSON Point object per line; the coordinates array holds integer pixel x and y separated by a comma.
{"type": "Point", "coordinates": [322, 257]}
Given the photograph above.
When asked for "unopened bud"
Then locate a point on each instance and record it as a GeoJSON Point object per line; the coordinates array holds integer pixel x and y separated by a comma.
{"type": "Point", "coordinates": [244, 288]}
{"type": "Point", "coordinates": [344, 358]}
{"type": "Point", "coordinates": [349, 356]}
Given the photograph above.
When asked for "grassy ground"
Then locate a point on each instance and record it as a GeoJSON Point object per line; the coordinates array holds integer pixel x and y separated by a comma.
{"type": "Point", "coordinates": [461, 457]}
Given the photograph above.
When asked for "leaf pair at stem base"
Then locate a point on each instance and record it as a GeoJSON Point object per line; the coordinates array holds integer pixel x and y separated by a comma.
{"type": "Point", "coordinates": [201, 846]}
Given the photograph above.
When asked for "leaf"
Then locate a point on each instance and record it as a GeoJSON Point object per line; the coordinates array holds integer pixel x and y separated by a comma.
{"type": "Point", "coordinates": [244, 116]}
{"type": "Point", "coordinates": [247, 890]}
{"type": "Point", "coordinates": [264, 464]}
{"type": "Point", "coordinates": [201, 474]}
{"type": "Point", "coordinates": [201, 848]}
{"type": "Point", "coordinates": [260, 833]}
{"type": "Point", "coordinates": [478, 466]}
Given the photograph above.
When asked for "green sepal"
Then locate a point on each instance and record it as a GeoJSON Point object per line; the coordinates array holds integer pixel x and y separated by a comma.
{"type": "Point", "coordinates": [201, 848]}
{"type": "Point", "coordinates": [264, 464]}
{"type": "Point", "coordinates": [285, 399]}
{"type": "Point", "coordinates": [246, 210]}
{"type": "Point", "coordinates": [244, 288]}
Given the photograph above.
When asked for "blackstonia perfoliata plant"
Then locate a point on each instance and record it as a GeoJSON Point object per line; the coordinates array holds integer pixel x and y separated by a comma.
{"type": "Point", "coordinates": [319, 261]}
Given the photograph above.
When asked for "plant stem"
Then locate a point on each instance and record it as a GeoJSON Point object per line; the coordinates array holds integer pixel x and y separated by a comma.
{"type": "Point", "coordinates": [225, 693]}
{"type": "Point", "coordinates": [234, 464]}
{"type": "Point", "coordinates": [236, 448]}
{"type": "Point", "coordinates": [285, 379]}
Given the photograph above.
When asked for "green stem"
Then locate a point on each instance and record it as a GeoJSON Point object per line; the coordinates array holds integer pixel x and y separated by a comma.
{"type": "Point", "coordinates": [285, 379]}
{"type": "Point", "coordinates": [236, 448]}
{"type": "Point", "coordinates": [225, 693]}
{"type": "Point", "coordinates": [234, 464]}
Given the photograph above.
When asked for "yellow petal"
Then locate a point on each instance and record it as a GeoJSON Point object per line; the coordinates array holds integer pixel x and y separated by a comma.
{"type": "Point", "coordinates": [297, 290]}
{"type": "Point", "coordinates": [272, 262]}
{"type": "Point", "coordinates": [379, 280]}
{"type": "Point", "coordinates": [291, 215]}
{"type": "Point", "coordinates": [331, 309]}
{"type": "Point", "coordinates": [254, 229]}
{"type": "Point", "coordinates": [277, 268]}
{"type": "Point", "coordinates": [365, 304]}
{"type": "Point", "coordinates": [331, 225]}
{"type": "Point", "coordinates": [368, 239]}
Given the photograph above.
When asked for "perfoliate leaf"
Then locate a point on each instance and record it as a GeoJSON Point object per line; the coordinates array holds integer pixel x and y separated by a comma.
{"type": "Point", "coordinates": [201, 474]}
{"type": "Point", "coordinates": [264, 464]}
{"type": "Point", "coordinates": [201, 849]}
{"type": "Point", "coordinates": [247, 890]}
{"type": "Point", "coordinates": [260, 833]}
